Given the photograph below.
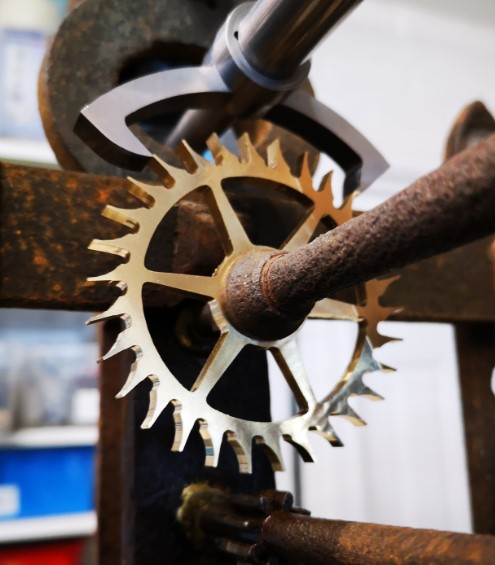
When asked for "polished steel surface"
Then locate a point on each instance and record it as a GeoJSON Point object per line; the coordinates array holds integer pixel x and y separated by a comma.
{"type": "Point", "coordinates": [192, 405]}
{"type": "Point", "coordinates": [104, 124]}
{"type": "Point", "coordinates": [261, 52]}
{"type": "Point", "coordinates": [277, 36]}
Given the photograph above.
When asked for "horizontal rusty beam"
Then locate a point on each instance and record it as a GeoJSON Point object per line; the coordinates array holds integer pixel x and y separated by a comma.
{"type": "Point", "coordinates": [48, 218]}
{"type": "Point", "coordinates": [457, 286]}
{"type": "Point", "coordinates": [315, 541]}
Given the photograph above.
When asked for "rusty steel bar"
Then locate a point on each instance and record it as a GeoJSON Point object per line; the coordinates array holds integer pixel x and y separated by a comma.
{"type": "Point", "coordinates": [48, 268]}
{"type": "Point", "coordinates": [451, 206]}
{"type": "Point", "coordinates": [315, 541]}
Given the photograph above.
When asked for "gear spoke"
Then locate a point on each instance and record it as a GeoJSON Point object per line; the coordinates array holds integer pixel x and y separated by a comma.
{"type": "Point", "coordinates": [225, 351]}
{"type": "Point", "coordinates": [329, 309]}
{"type": "Point", "coordinates": [232, 234]}
{"type": "Point", "coordinates": [303, 233]}
{"type": "Point", "coordinates": [287, 357]}
{"type": "Point", "coordinates": [190, 285]}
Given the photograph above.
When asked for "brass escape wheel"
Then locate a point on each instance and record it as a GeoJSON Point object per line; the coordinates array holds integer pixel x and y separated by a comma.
{"type": "Point", "coordinates": [192, 405]}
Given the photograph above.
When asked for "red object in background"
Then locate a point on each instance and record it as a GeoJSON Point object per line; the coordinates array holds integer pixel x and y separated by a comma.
{"type": "Point", "coordinates": [53, 553]}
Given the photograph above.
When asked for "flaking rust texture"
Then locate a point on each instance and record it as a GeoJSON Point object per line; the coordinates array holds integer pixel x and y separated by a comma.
{"type": "Point", "coordinates": [48, 219]}
{"type": "Point", "coordinates": [332, 542]}
{"type": "Point", "coordinates": [452, 206]}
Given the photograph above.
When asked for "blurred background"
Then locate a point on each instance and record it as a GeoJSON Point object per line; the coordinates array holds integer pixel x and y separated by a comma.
{"type": "Point", "coordinates": [399, 71]}
{"type": "Point", "coordinates": [48, 374]}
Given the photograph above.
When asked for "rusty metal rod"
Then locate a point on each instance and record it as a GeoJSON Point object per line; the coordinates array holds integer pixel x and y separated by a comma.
{"type": "Point", "coordinates": [315, 541]}
{"type": "Point", "coordinates": [450, 207]}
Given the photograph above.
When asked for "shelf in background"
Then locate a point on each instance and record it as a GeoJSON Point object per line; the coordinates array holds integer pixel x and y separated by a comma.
{"type": "Point", "coordinates": [48, 527]}
{"type": "Point", "coordinates": [36, 152]}
{"type": "Point", "coordinates": [56, 436]}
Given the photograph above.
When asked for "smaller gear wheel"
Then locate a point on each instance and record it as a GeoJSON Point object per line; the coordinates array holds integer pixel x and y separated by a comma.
{"type": "Point", "coordinates": [192, 405]}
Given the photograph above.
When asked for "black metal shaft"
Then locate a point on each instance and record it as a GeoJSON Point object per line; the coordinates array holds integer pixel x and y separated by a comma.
{"type": "Point", "coordinates": [274, 38]}
{"type": "Point", "coordinates": [450, 207]}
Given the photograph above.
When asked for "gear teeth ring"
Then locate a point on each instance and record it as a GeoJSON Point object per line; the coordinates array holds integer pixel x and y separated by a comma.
{"type": "Point", "coordinates": [192, 405]}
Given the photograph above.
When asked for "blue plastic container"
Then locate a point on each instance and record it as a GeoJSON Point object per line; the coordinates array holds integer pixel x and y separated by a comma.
{"type": "Point", "coordinates": [47, 481]}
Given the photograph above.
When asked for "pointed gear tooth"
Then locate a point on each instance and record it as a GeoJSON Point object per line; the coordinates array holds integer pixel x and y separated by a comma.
{"type": "Point", "coordinates": [184, 423]}
{"type": "Point", "coordinates": [136, 375]}
{"type": "Point", "coordinates": [115, 275]}
{"type": "Point", "coordinates": [192, 160]}
{"type": "Point", "coordinates": [212, 439]}
{"type": "Point", "coordinates": [159, 400]}
{"type": "Point", "coordinates": [375, 288]}
{"type": "Point", "coordinates": [109, 246]}
{"type": "Point", "coordinates": [388, 311]}
{"type": "Point", "coordinates": [344, 213]}
{"type": "Point", "coordinates": [216, 148]}
{"type": "Point", "coordinates": [327, 432]}
{"type": "Point", "coordinates": [99, 318]}
{"type": "Point", "coordinates": [129, 385]}
{"type": "Point", "coordinates": [339, 215]}
{"type": "Point", "coordinates": [123, 216]}
{"type": "Point", "coordinates": [351, 415]}
{"type": "Point", "coordinates": [348, 203]}
{"type": "Point", "coordinates": [248, 152]}
{"type": "Point", "coordinates": [305, 177]}
{"type": "Point", "coordinates": [167, 173]}
{"type": "Point", "coordinates": [106, 278]}
{"type": "Point", "coordinates": [242, 447]}
{"type": "Point", "coordinates": [145, 193]}
{"type": "Point", "coordinates": [115, 311]}
{"type": "Point", "coordinates": [301, 442]}
{"type": "Point", "coordinates": [326, 184]}
{"type": "Point", "coordinates": [378, 340]}
{"type": "Point", "coordinates": [271, 447]}
{"type": "Point", "coordinates": [369, 393]}
{"type": "Point", "coordinates": [220, 153]}
{"type": "Point", "coordinates": [123, 342]}
{"type": "Point", "coordinates": [276, 160]}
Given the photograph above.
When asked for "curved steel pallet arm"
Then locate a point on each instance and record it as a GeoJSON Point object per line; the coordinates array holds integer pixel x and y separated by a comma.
{"type": "Point", "coordinates": [104, 124]}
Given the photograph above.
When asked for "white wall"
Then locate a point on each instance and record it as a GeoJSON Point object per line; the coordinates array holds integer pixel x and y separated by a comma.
{"type": "Point", "coordinates": [400, 71]}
